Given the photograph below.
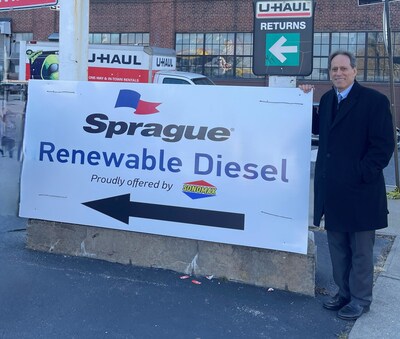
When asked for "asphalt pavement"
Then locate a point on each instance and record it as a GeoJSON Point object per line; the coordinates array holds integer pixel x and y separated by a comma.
{"type": "Point", "coordinates": [44, 295]}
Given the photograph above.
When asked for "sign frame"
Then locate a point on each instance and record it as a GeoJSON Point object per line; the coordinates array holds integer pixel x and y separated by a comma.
{"type": "Point", "coordinates": [283, 41]}
{"type": "Point", "coordinates": [26, 4]}
{"type": "Point", "coordinates": [202, 179]}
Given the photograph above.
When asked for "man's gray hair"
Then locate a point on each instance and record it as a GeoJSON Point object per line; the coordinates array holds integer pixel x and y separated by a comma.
{"type": "Point", "coordinates": [353, 61]}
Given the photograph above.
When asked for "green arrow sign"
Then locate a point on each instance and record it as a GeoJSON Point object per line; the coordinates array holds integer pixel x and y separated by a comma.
{"type": "Point", "coordinates": [282, 49]}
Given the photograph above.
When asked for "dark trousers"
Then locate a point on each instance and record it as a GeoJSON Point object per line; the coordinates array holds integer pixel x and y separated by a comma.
{"type": "Point", "coordinates": [353, 265]}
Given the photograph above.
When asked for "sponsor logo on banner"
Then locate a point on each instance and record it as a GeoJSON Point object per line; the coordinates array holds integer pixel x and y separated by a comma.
{"type": "Point", "coordinates": [199, 189]}
{"type": "Point", "coordinates": [100, 123]}
{"type": "Point", "coordinates": [129, 98]}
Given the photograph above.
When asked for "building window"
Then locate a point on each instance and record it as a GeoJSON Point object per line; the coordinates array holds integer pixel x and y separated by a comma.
{"type": "Point", "coordinates": [321, 55]}
{"type": "Point", "coordinates": [218, 55]}
{"type": "Point", "coordinates": [120, 38]}
{"type": "Point", "coordinates": [14, 52]}
{"type": "Point", "coordinates": [230, 55]}
{"type": "Point", "coordinates": [135, 38]}
{"type": "Point", "coordinates": [16, 38]}
{"type": "Point", "coordinates": [369, 49]}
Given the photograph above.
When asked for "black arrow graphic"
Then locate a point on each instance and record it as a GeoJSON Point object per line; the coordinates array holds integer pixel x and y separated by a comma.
{"type": "Point", "coordinates": [121, 208]}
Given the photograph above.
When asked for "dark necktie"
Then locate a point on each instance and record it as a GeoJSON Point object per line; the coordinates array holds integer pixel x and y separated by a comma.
{"type": "Point", "coordinates": [334, 113]}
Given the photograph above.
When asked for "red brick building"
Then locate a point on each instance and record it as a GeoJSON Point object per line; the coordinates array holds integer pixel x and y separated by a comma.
{"type": "Point", "coordinates": [215, 37]}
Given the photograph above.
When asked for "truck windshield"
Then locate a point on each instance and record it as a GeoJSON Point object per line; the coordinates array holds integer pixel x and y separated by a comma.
{"type": "Point", "coordinates": [175, 81]}
{"type": "Point", "coordinates": [203, 81]}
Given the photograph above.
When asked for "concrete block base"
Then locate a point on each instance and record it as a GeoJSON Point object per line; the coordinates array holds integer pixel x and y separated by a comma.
{"type": "Point", "coordinates": [260, 267]}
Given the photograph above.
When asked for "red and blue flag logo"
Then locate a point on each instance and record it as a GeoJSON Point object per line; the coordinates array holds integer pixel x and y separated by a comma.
{"type": "Point", "coordinates": [129, 98]}
{"type": "Point", "coordinates": [199, 189]}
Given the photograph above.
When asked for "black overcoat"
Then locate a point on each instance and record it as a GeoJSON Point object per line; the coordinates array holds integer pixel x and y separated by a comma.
{"type": "Point", "coordinates": [349, 187]}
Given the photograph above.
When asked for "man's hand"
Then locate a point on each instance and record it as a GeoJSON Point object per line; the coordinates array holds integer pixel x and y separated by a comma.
{"type": "Point", "coordinates": [306, 88]}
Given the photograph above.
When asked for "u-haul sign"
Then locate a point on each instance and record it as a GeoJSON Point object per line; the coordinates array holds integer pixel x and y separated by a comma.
{"type": "Point", "coordinates": [115, 63]}
{"type": "Point", "coordinates": [22, 4]}
{"type": "Point", "coordinates": [284, 9]}
{"type": "Point", "coordinates": [283, 37]}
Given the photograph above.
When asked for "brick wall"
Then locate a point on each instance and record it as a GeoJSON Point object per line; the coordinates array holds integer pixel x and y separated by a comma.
{"type": "Point", "coordinates": [164, 18]}
{"type": "Point", "coordinates": [42, 22]}
{"type": "Point", "coordinates": [214, 16]}
{"type": "Point", "coordinates": [119, 16]}
{"type": "Point", "coordinates": [346, 15]}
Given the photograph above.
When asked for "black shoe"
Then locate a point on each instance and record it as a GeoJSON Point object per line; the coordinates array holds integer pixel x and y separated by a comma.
{"type": "Point", "coordinates": [352, 311]}
{"type": "Point", "coordinates": [335, 303]}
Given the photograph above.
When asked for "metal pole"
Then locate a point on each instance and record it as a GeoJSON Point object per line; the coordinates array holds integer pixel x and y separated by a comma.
{"type": "Point", "coordinates": [5, 63]}
{"type": "Point", "coordinates": [74, 39]}
{"type": "Point", "coordinates": [392, 92]}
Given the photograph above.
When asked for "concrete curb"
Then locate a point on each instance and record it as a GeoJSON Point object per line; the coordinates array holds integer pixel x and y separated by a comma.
{"type": "Point", "coordinates": [266, 268]}
{"type": "Point", "coordinates": [392, 264]}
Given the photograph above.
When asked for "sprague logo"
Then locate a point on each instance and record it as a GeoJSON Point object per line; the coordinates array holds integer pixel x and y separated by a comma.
{"type": "Point", "coordinates": [199, 189]}
{"type": "Point", "coordinates": [98, 123]}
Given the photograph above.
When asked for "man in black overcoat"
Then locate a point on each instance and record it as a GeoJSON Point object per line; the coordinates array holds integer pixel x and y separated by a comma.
{"type": "Point", "coordinates": [356, 142]}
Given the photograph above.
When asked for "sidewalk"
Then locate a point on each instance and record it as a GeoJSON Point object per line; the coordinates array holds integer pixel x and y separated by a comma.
{"type": "Point", "coordinates": [10, 169]}
{"type": "Point", "coordinates": [383, 319]}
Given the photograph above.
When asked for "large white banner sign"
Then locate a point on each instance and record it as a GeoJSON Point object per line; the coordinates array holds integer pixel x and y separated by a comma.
{"type": "Point", "coordinates": [215, 163]}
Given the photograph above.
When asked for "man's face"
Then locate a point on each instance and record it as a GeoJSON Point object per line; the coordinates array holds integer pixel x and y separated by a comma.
{"type": "Point", "coordinates": [341, 73]}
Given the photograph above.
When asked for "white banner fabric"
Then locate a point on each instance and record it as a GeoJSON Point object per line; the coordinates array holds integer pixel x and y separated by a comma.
{"type": "Point", "coordinates": [214, 163]}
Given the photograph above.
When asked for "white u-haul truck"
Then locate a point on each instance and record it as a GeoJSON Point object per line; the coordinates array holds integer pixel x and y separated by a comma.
{"type": "Point", "coordinates": [110, 63]}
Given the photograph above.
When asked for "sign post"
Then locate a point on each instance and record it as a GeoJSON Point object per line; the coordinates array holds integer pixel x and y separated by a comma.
{"type": "Point", "coordinates": [283, 37]}
{"type": "Point", "coordinates": [388, 35]}
{"type": "Point", "coordinates": [372, 2]}
{"type": "Point", "coordinates": [74, 36]}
